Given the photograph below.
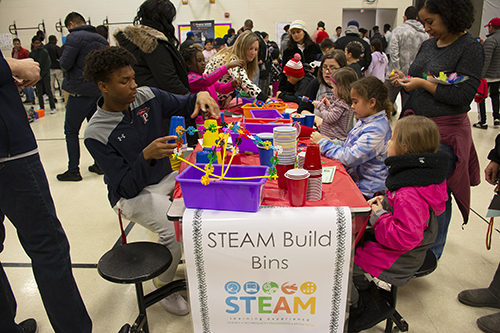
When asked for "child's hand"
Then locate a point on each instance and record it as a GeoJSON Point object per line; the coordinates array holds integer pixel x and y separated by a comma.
{"type": "Point", "coordinates": [315, 103]}
{"type": "Point", "coordinates": [234, 83]}
{"type": "Point", "coordinates": [317, 121]}
{"type": "Point", "coordinates": [235, 63]}
{"type": "Point", "coordinates": [376, 203]}
{"type": "Point", "coordinates": [316, 136]}
{"type": "Point", "coordinates": [326, 102]}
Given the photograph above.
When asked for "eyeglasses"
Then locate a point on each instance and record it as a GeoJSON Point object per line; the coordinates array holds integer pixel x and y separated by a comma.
{"type": "Point", "coordinates": [330, 69]}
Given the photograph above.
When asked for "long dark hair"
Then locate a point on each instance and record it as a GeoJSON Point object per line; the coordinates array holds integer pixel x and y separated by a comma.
{"type": "Point", "coordinates": [293, 44]}
{"type": "Point", "coordinates": [158, 14]}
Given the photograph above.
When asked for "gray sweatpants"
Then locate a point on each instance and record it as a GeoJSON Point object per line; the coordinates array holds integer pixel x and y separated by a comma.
{"type": "Point", "coordinates": [149, 209]}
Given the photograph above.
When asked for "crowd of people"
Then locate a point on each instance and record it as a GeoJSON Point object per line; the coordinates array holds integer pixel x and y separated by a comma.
{"type": "Point", "coordinates": [407, 174]}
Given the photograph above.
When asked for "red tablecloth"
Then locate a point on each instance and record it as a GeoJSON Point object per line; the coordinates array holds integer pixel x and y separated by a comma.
{"type": "Point", "coordinates": [341, 192]}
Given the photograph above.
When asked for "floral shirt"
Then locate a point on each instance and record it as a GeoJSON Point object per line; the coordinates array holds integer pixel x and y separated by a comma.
{"type": "Point", "coordinates": [232, 74]}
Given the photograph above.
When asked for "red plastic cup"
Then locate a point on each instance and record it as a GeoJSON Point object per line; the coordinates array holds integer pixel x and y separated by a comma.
{"type": "Point", "coordinates": [280, 172]}
{"type": "Point", "coordinates": [312, 160]}
{"type": "Point", "coordinates": [297, 190]}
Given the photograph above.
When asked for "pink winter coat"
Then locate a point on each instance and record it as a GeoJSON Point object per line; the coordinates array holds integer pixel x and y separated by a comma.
{"type": "Point", "coordinates": [403, 231]}
{"type": "Point", "coordinates": [209, 82]}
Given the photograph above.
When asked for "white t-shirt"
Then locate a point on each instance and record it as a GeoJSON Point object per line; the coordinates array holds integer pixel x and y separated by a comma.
{"type": "Point", "coordinates": [209, 54]}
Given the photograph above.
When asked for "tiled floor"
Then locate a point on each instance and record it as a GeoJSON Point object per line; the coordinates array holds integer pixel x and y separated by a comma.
{"type": "Point", "coordinates": [429, 304]}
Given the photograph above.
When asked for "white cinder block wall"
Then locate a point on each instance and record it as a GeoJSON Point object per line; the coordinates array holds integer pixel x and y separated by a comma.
{"type": "Point", "coordinates": [264, 13]}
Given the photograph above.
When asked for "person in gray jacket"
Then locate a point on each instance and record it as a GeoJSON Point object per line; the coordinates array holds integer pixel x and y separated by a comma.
{"type": "Point", "coordinates": [403, 47]}
{"type": "Point", "coordinates": [491, 73]}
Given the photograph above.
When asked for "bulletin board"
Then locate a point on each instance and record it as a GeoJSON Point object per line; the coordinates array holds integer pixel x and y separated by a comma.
{"type": "Point", "coordinates": [220, 29]}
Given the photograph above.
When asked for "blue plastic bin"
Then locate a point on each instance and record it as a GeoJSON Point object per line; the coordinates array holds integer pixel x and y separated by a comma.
{"type": "Point", "coordinates": [233, 195]}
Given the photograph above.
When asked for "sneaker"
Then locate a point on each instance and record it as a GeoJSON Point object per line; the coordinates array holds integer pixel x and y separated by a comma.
{"type": "Point", "coordinates": [175, 303]}
{"type": "Point", "coordinates": [29, 102]}
{"type": "Point", "coordinates": [496, 122]}
{"type": "Point", "coordinates": [53, 111]}
{"type": "Point", "coordinates": [480, 298]}
{"type": "Point", "coordinates": [480, 125]}
{"type": "Point", "coordinates": [29, 326]}
{"type": "Point", "coordinates": [96, 169]}
{"type": "Point", "coordinates": [69, 176]}
{"type": "Point", "coordinates": [490, 323]}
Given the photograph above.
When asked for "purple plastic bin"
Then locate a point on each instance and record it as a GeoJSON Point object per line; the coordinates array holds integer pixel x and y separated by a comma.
{"type": "Point", "coordinates": [233, 195]}
{"type": "Point", "coordinates": [263, 128]}
{"type": "Point", "coordinates": [245, 100]}
{"type": "Point", "coordinates": [266, 113]}
{"type": "Point", "coordinates": [246, 144]}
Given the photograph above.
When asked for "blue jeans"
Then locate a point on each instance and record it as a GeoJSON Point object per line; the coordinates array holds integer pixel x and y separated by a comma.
{"type": "Point", "coordinates": [30, 94]}
{"type": "Point", "coordinates": [78, 109]}
{"type": "Point", "coordinates": [26, 200]}
{"type": "Point", "coordinates": [445, 217]}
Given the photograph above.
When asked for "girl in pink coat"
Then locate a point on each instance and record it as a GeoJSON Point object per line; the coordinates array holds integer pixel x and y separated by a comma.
{"type": "Point", "coordinates": [404, 224]}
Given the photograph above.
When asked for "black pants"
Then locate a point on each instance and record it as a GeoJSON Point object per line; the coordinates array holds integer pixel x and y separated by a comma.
{"type": "Point", "coordinates": [43, 87]}
{"type": "Point", "coordinates": [495, 284]}
{"type": "Point", "coordinates": [495, 103]}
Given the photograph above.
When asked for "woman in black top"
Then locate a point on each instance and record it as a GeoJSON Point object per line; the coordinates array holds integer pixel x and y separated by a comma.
{"type": "Point", "coordinates": [450, 50]}
{"type": "Point", "coordinates": [300, 43]}
{"type": "Point", "coordinates": [153, 43]}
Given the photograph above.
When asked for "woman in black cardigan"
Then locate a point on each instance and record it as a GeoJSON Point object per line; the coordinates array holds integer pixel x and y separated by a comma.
{"type": "Point", "coordinates": [153, 43]}
{"type": "Point", "coordinates": [300, 43]}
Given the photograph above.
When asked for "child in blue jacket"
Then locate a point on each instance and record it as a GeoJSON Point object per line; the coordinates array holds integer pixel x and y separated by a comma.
{"type": "Point", "coordinates": [365, 149]}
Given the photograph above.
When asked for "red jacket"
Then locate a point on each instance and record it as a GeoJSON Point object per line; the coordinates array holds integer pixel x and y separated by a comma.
{"type": "Point", "coordinates": [22, 54]}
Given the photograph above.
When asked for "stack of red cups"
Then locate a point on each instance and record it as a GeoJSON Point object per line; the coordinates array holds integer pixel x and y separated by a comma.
{"type": "Point", "coordinates": [312, 163]}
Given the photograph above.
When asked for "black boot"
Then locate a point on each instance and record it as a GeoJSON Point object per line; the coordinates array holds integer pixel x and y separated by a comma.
{"type": "Point", "coordinates": [375, 309]}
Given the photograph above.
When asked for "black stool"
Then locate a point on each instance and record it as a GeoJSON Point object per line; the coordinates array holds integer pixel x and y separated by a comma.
{"type": "Point", "coordinates": [136, 263]}
{"type": "Point", "coordinates": [429, 266]}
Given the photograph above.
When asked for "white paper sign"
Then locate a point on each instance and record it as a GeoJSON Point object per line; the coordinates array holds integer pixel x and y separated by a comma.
{"type": "Point", "coordinates": [6, 42]}
{"type": "Point", "coordinates": [281, 269]}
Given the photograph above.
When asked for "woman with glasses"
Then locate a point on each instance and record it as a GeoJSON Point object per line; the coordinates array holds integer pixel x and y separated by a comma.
{"type": "Point", "coordinates": [321, 87]}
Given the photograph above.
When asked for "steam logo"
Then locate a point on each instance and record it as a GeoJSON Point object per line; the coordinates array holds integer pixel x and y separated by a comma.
{"type": "Point", "coordinates": [232, 287]}
{"type": "Point", "coordinates": [251, 287]}
{"type": "Point", "coordinates": [270, 288]}
{"type": "Point", "coordinates": [308, 288]}
{"type": "Point", "coordinates": [289, 289]}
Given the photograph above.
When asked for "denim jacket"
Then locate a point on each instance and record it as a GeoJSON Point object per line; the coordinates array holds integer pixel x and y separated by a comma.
{"type": "Point", "coordinates": [364, 152]}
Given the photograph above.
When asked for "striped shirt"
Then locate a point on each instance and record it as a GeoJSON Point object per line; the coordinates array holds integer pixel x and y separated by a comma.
{"type": "Point", "coordinates": [337, 119]}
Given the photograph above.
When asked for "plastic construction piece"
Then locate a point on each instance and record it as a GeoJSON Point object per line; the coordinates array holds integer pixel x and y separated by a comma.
{"type": "Point", "coordinates": [452, 78]}
{"type": "Point", "coordinates": [306, 99]}
{"type": "Point", "coordinates": [220, 148]}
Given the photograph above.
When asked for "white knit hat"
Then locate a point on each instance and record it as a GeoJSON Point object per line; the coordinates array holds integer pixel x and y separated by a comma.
{"type": "Point", "coordinates": [298, 24]}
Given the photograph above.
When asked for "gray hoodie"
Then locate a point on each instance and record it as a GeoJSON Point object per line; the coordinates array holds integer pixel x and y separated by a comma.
{"type": "Point", "coordinates": [491, 47]}
{"type": "Point", "coordinates": [404, 45]}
